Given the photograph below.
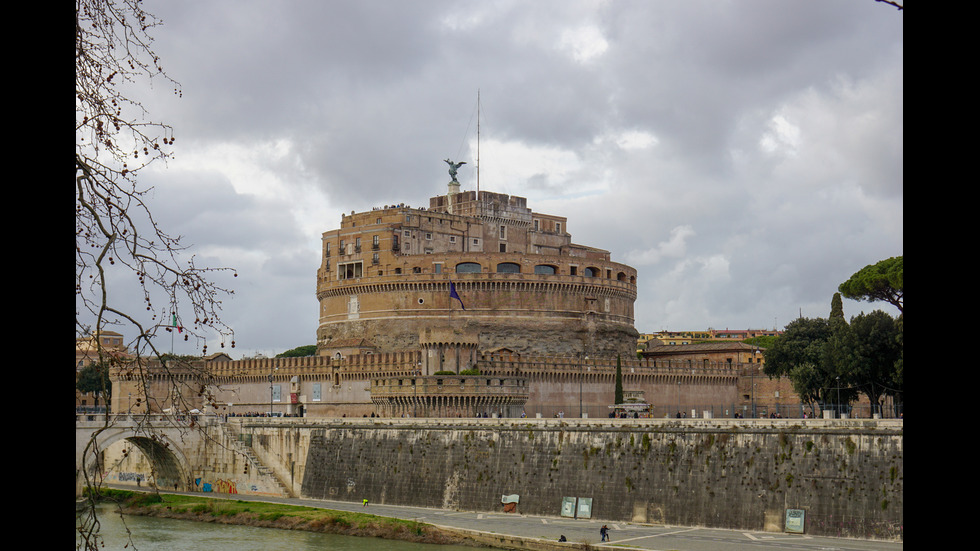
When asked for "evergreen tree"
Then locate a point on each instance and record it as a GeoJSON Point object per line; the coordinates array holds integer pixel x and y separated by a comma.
{"type": "Point", "coordinates": [875, 356]}
{"type": "Point", "coordinates": [95, 378]}
{"type": "Point", "coordinates": [884, 281]}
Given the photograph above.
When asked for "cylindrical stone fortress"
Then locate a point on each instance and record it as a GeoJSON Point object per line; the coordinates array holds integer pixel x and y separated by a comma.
{"type": "Point", "coordinates": [387, 277]}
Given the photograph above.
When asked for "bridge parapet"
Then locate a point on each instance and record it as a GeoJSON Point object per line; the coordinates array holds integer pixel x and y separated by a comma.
{"type": "Point", "coordinates": [124, 421]}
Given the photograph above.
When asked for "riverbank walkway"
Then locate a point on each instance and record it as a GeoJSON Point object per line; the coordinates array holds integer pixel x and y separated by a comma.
{"type": "Point", "coordinates": [519, 531]}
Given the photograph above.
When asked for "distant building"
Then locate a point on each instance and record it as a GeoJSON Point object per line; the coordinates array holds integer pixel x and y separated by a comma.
{"type": "Point", "coordinates": [672, 338]}
{"type": "Point", "coordinates": [87, 353]}
{"type": "Point", "coordinates": [730, 354]}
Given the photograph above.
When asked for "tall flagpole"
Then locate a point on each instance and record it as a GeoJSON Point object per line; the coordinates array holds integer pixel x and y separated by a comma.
{"type": "Point", "coordinates": [477, 144]}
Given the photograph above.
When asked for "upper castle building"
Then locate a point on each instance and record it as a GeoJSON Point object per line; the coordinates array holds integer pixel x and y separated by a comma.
{"type": "Point", "coordinates": [385, 278]}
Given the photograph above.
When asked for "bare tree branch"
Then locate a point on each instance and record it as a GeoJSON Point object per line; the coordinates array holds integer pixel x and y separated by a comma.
{"type": "Point", "coordinates": [118, 243]}
{"type": "Point", "coordinates": [896, 4]}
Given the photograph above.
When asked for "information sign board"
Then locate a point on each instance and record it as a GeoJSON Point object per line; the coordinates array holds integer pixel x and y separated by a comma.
{"type": "Point", "coordinates": [795, 521]}
{"type": "Point", "coordinates": [568, 507]}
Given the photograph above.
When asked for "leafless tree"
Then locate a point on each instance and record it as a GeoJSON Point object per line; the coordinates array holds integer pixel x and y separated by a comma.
{"type": "Point", "coordinates": [118, 243]}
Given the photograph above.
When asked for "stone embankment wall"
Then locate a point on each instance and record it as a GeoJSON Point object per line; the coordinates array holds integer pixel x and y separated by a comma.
{"type": "Point", "coordinates": [740, 474]}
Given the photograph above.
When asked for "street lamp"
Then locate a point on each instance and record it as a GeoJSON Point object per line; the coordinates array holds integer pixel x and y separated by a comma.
{"type": "Point", "coordinates": [838, 395]}
{"type": "Point", "coordinates": [678, 398]}
{"type": "Point", "coordinates": [270, 389]}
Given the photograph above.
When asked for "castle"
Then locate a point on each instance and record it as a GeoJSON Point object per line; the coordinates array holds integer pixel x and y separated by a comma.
{"type": "Point", "coordinates": [476, 272]}
{"type": "Point", "coordinates": [476, 305]}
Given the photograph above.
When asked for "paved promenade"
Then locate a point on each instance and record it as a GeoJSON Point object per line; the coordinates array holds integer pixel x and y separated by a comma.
{"type": "Point", "coordinates": [540, 532]}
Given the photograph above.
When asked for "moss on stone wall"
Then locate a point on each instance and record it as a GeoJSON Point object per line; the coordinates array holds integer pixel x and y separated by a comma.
{"type": "Point", "coordinates": [685, 474]}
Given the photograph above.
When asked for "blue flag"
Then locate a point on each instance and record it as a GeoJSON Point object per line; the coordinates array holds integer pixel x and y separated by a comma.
{"type": "Point", "coordinates": [453, 294]}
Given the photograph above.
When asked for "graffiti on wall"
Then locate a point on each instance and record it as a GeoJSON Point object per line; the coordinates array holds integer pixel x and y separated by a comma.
{"type": "Point", "coordinates": [220, 486]}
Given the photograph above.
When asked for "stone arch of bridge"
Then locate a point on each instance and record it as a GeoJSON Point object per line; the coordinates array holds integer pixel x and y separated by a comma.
{"type": "Point", "coordinates": [168, 461]}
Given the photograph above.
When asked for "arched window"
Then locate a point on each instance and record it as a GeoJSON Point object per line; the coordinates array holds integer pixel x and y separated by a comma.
{"type": "Point", "coordinates": [545, 269]}
{"type": "Point", "coordinates": [508, 268]}
{"type": "Point", "coordinates": [468, 268]}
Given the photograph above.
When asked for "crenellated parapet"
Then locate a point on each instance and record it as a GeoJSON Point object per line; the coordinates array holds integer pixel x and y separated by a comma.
{"type": "Point", "coordinates": [361, 364]}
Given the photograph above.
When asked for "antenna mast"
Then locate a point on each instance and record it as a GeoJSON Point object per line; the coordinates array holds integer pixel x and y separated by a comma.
{"type": "Point", "coordinates": [477, 144]}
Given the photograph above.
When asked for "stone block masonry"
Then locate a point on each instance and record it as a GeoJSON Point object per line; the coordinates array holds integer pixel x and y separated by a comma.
{"type": "Point", "coordinates": [739, 474]}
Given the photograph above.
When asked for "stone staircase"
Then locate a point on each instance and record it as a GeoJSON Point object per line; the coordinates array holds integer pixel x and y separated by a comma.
{"type": "Point", "coordinates": [243, 444]}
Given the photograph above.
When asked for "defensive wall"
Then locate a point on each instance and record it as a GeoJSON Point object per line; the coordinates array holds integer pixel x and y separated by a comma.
{"type": "Point", "coordinates": [319, 386]}
{"type": "Point", "coordinates": [847, 475]}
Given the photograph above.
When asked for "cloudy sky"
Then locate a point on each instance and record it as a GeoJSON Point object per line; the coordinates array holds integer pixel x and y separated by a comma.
{"type": "Point", "coordinates": [745, 157]}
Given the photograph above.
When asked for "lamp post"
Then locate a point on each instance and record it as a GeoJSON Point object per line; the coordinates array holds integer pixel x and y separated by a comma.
{"type": "Point", "coordinates": [678, 398]}
{"type": "Point", "coordinates": [838, 395]}
{"type": "Point", "coordinates": [270, 389]}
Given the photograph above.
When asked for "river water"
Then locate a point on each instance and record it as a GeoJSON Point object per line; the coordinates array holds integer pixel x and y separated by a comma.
{"type": "Point", "coordinates": [161, 534]}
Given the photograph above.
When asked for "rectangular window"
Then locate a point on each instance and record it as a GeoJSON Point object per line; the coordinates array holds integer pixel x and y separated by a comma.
{"type": "Point", "coordinates": [452, 238]}
{"type": "Point", "coordinates": [537, 225]}
{"type": "Point", "coordinates": [557, 227]}
{"type": "Point", "coordinates": [349, 270]}
{"type": "Point", "coordinates": [503, 232]}
{"type": "Point", "coordinates": [317, 393]}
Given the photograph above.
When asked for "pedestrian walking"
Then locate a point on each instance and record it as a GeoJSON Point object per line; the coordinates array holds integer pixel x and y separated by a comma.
{"type": "Point", "coordinates": [365, 503]}
{"type": "Point", "coordinates": [604, 532]}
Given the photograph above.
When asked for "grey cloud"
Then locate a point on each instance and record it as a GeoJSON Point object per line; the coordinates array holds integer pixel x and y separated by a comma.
{"type": "Point", "coordinates": [371, 96]}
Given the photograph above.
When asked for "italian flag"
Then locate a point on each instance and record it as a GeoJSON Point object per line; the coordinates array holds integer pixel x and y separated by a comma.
{"type": "Point", "coordinates": [173, 323]}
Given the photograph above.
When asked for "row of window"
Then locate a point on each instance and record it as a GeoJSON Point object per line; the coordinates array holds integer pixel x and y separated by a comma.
{"type": "Point", "coordinates": [411, 382]}
{"type": "Point", "coordinates": [355, 269]}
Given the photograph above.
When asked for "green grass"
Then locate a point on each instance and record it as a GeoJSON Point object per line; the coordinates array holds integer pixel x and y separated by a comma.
{"type": "Point", "coordinates": [258, 512]}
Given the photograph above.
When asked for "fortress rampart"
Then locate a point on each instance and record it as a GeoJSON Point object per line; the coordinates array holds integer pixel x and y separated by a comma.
{"type": "Point", "coordinates": [360, 384]}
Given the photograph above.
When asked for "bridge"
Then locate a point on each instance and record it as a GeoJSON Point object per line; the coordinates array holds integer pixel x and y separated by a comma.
{"type": "Point", "coordinates": [726, 473]}
{"type": "Point", "coordinates": [170, 443]}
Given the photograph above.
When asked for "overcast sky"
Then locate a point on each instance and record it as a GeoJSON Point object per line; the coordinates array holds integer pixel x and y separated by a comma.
{"type": "Point", "coordinates": [746, 157]}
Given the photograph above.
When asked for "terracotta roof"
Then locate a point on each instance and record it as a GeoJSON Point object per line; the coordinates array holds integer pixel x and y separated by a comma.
{"type": "Point", "coordinates": [700, 347]}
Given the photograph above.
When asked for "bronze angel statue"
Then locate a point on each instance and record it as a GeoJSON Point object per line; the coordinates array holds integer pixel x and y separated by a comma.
{"type": "Point", "coordinates": [452, 168]}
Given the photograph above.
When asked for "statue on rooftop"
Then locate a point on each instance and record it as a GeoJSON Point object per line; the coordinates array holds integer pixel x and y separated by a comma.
{"type": "Point", "coordinates": [452, 168]}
